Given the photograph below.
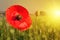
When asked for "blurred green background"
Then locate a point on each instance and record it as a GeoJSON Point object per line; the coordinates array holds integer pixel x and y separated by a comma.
{"type": "Point", "coordinates": [41, 29]}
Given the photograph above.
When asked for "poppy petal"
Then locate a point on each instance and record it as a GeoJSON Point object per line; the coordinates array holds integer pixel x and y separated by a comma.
{"type": "Point", "coordinates": [18, 17]}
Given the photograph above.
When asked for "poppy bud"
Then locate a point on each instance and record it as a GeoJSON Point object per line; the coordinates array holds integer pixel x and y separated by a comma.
{"type": "Point", "coordinates": [18, 17]}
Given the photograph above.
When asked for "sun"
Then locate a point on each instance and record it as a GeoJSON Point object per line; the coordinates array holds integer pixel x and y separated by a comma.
{"type": "Point", "coordinates": [56, 14]}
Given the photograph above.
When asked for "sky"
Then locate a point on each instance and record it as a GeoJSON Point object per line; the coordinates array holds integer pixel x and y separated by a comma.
{"type": "Point", "coordinates": [31, 5]}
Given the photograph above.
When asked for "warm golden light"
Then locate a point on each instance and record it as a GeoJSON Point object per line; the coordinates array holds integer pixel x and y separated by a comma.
{"type": "Point", "coordinates": [56, 13]}
{"type": "Point", "coordinates": [55, 18]}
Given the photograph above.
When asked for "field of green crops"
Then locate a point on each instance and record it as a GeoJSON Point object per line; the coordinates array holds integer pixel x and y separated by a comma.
{"type": "Point", "coordinates": [39, 30]}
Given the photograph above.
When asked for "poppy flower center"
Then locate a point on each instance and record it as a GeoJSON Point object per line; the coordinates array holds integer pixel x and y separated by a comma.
{"type": "Point", "coordinates": [18, 17]}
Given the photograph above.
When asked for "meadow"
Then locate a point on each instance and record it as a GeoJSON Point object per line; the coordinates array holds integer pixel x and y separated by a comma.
{"type": "Point", "coordinates": [40, 29]}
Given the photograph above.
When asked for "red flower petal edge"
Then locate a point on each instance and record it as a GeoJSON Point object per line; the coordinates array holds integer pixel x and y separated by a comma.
{"type": "Point", "coordinates": [18, 17]}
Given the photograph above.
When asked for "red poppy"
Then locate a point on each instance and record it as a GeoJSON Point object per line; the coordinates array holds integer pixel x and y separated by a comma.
{"type": "Point", "coordinates": [18, 17]}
